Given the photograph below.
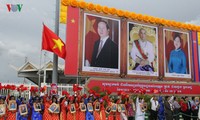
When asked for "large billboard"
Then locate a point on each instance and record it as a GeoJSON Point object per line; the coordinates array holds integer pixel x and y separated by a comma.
{"type": "Point", "coordinates": [112, 43]}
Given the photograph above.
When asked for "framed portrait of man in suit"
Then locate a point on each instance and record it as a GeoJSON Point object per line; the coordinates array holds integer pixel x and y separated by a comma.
{"type": "Point", "coordinates": [82, 107]}
{"type": "Point", "coordinates": [72, 108]}
{"type": "Point", "coordinates": [37, 107]}
{"type": "Point", "coordinates": [97, 106]}
{"type": "Point", "coordinates": [108, 110]}
{"type": "Point", "coordinates": [177, 61]}
{"type": "Point", "coordinates": [101, 44]}
{"type": "Point", "coordinates": [23, 109]}
{"type": "Point", "coordinates": [142, 53]}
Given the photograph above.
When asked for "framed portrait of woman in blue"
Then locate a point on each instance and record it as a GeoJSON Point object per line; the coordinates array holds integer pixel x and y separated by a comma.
{"type": "Point", "coordinates": [12, 105]}
{"type": "Point", "coordinates": [90, 107]}
{"type": "Point", "coordinates": [2, 109]}
{"type": "Point", "coordinates": [114, 107]}
{"type": "Point", "coordinates": [177, 61]}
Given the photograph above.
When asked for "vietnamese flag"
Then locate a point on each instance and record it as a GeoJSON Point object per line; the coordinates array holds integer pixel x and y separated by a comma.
{"type": "Point", "coordinates": [51, 42]}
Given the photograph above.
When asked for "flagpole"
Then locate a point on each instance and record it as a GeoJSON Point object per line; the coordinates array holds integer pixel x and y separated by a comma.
{"type": "Point", "coordinates": [55, 57]}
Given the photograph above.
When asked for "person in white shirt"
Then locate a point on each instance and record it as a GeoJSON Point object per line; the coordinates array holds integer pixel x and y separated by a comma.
{"type": "Point", "coordinates": [143, 53]}
{"type": "Point", "coordinates": [140, 115]}
{"type": "Point", "coordinates": [154, 108]}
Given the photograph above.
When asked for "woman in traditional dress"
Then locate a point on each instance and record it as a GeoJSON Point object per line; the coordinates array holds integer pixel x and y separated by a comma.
{"type": "Point", "coordinates": [71, 111]}
{"type": "Point", "coordinates": [89, 113]}
{"type": "Point", "coordinates": [36, 109]}
{"type": "Point", "coordinates": [11, 113]}
{"type": "Point", "coordinates": [46, 103]}
{"type": "Point", "coordinates": [63, 108]}
{"type": "Point", "coordinates": [130, 106]}
{"type": "Point", "coordinates": [81, 107]}
{"type": "Point", "coordinates": [22, 101]}
{"type": "Point", "coordinates": [2, 103]}
{"type": "Point", "coordinates": [55, 116]}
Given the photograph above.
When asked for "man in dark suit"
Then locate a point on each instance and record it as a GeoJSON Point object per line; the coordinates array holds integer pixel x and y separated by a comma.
{"type": "Point", "coordinates": [168, 109]}
{"type": "Point", "coordinates": [105, 52]}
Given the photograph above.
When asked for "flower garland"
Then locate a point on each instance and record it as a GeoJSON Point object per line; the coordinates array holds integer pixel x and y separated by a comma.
{"type": "Point", "coordinates": [131, 15]}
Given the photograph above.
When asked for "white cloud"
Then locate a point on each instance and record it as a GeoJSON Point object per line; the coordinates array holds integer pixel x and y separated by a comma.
{"type": "Point", "coordinates": [195, 21]}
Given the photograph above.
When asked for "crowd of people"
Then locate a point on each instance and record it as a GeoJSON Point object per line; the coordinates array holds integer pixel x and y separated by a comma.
{"type": "Point", "coordinates": [94, 106]}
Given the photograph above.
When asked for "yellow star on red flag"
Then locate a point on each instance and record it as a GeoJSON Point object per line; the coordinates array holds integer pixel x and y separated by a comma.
{"type": "Point", "coordinates": [58, 44]}
{"type": "Point", "coordinates": [51, 42]}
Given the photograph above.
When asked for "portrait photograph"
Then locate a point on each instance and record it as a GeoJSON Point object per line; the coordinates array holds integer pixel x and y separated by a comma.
{"type": "Point", "coordinates": [123, 108]}
{"type": "Point", "coordinates": [176, 54]}
{"type": "Point", "coordinates": [114, 107]}
{"type": "Point", "coordinates": [54, 108]}
{"type": "Point", "coordinates": [119, 109]}
{"type": "Point", "coordinates": [2, 109]}
{"type": "Point", "coordinates": [89, 107]}
{"type": "Point", "coordinates": [82, 107]}
{"type": "Point", "coordinates": [23, 109]}
{"type": "Point", "coordinates": [142, 50]}
{"type": "Point", "coordinates": [108, 110]}
{"type": "Point", "coordinates": [57, 110]}
{"type": "Point", "coordinates": [101, 44]}
{"type": "Point", "coordinates": [37, 107]}
{"type": "Point", "coordinates": [97, 106]}
{"type": "Point", "coordinates": [12, 105]}
{"type": "Point", "coordinates": [72, 108]}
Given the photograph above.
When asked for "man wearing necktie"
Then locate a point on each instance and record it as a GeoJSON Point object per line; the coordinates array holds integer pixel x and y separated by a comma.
{"type": "Point", "coordinates": [188, 111]}
{"type": "Point", "coordinates": [105, 51]}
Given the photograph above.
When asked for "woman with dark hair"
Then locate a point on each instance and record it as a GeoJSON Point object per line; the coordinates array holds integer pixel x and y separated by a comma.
{"type": "Point", "coordinates": [63, 106]}
{"type": "Point", "coordinates": [55, 116]}
{"type": "Point", "coordinates": [11, 113]}
{"type": "Point", "coordinates": [36, 108]}
{"type": "Point", "coordinates": [22, 101]}
{"type": "Point", "coordinates": [2, 102]}
{"type": "Point", "coordinates": [46, 103]}
{"type": "Point", "coordinates": [177, 59]}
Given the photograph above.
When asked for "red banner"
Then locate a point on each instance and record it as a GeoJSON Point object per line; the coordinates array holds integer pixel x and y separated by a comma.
{"type": "Point", "coordinates": [71, 59]}
{"type": "Point", "coordinates": [130, 86]}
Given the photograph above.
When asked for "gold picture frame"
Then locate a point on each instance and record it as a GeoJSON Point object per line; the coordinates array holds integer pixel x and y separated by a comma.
{"type": "Point", "coordinates": [12, 105]}
{"type": "Point", "coordinates": [82, 107]}
{"type": "Point", "coordinates": [119, 109]}
{"type": "Point", "coordinates": [37, 107]}
{"type": "Point", "coordinates": [23, 109]}
{"type": "Point", "coordinates": [90, 107]}
{"type": "Point", "coordinates": [114, 107]}
{"type": "Point", "coordinates": [108, 110]}
{"type": "Point", "coordinates": [123, 107]}
{"type": "Point", "coordinates": [54, 108]}
{"type": "Point", "coordinates": [2, 109]}
{"type": "Point", "coordinates": [97, 106]}
{"type": "Point", "coordinates": [72, 108]}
